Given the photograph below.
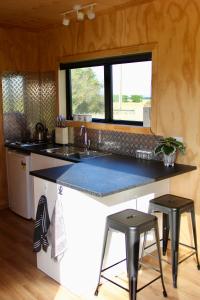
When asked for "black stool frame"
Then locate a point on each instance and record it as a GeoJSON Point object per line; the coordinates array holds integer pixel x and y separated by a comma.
{"type": "Point", "coordinates": [171, 223]}
{"type": "Point", "coordinates": [125, 222]}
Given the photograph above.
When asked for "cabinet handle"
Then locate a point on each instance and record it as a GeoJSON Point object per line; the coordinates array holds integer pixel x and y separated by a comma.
{"type": "Point", "coordinates": [60, 190]}
{"type": "Point", "coordinates": [23, 164]}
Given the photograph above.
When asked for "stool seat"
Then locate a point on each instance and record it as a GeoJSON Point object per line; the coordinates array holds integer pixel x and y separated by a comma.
{"type": "Point", "coordinates": [172, 202]}
{"type": "Point", "coordinates": [130, 219]}
{"type": "Point", "coordinates": [132, 223]}
{"type": "Point", "coordinates": [172, 207]}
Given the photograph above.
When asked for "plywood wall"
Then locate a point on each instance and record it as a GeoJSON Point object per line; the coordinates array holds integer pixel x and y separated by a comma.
{"type": "Point", "coordinates": [174, 25]}
{"type": "Point", "coordinates": [18, 52]}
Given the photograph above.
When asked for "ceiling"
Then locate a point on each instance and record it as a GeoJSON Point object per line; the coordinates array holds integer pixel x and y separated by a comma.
{"type": "Point", "coordinates": [36, 14]}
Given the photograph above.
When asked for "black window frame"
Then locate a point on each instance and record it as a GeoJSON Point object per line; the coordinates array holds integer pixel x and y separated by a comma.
{"type": "Point", "coordinates": [108, 87]}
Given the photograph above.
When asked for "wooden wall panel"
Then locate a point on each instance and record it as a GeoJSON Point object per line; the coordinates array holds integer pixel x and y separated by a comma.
{"type": "Point", "coordinates": [18, 52]}
{"type": "Point", "coordinates": [175, 26]}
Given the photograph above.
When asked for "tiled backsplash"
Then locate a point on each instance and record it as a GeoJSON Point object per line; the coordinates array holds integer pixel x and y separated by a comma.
{"type": "Point", "coordinates": [117, 142]}
{"type": "Point", "coordinates": [28, 98]}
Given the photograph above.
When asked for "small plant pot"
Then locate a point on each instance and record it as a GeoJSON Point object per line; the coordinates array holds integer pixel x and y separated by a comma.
{"type": "Point", "coordinates": [169, 160]}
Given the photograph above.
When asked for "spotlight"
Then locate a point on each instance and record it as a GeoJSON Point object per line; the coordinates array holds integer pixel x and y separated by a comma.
{"type": "Point", "coordinates": [65, 21]}
{"type": "Point", "coordinates": [90, 13]}
{"type": "Point", "coordinates": [79, 13]}
{"type": "Point", "coordinates": [80, 16]}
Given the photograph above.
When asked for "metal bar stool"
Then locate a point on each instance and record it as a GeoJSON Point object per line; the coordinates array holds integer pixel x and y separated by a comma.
{"type": "Point", "coordinates": [172, 207]}
{"type": "Point", "coordinates": [132, 223]}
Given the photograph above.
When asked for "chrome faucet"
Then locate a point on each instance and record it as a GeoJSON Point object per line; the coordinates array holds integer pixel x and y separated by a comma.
{"type": "Point", "coordinates": [86, 141]}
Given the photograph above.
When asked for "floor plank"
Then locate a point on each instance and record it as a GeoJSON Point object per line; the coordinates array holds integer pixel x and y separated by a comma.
{"type": "Point", "coordinates": [21, 280]}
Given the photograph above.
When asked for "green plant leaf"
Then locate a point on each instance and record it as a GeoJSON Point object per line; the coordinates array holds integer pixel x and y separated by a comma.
{"type": "Point", "coordinates": [158, 149]}
{"type": "Point", "coordinates": [168, 149]}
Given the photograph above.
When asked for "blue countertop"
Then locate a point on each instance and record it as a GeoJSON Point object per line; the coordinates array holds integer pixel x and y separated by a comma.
{"type": "Point", "coordinates": [110, 174]}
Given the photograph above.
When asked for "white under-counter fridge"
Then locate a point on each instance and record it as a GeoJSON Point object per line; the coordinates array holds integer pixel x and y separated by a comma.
{"type": "Point", "coordinates": [19, 184]}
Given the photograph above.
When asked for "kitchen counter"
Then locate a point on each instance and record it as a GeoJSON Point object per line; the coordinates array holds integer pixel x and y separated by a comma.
{"type": "Point", "coordinates": [89, 191]}
{"type": "Point", "coordinates": [102, 176]}
{"type": "Point", "coordinates": [110, 174]}
{"type": "Point", "coordinates": [40, 148]}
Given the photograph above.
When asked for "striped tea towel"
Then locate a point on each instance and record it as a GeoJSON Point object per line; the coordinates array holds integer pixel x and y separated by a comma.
{"type": "Point", "coordinates": [42, 223]}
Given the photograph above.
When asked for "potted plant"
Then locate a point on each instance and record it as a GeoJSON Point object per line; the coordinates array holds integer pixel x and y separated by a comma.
{"type": "Point", "coordinates": [169, 146]}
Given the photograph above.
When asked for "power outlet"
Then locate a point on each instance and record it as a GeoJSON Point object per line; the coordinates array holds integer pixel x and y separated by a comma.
{"type": "Point", "coordinates": [179, 138]}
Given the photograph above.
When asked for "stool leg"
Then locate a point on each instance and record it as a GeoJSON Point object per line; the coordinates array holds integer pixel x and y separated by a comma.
{"type": "Point", "coordinates": [150, 210]}
{"type": "Point", "coordinates": [159, 258]}
{"type": "Point", "coordinates": [195, 235]}
{"type": "Point", "coordinates": [165, 232]}
{"type": "Point", "coordinates": [174, 221]}
{"type": "Point", "coordinates": [132, 256]}
{"type": "Point", "coordinates": [102, 257]}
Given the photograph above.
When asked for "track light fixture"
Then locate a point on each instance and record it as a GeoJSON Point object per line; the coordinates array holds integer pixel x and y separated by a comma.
{"type": "Point", "coordinates": [79, 10]}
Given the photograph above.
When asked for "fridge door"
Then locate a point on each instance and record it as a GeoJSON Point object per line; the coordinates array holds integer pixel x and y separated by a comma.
{"type": "Point", "coordinates": [19, 191]}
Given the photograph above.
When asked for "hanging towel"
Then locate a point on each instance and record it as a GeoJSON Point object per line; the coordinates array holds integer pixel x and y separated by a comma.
{"type": "Point", "coordinates": [57, 232]}
{"type": "Point", "coordinates": [42, 223]}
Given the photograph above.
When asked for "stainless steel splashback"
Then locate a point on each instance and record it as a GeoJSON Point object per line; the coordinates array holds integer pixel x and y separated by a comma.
{"type": "Point", "coordinates": [118, 142]}
{"type": "Point", "coordinates": [28, 98]}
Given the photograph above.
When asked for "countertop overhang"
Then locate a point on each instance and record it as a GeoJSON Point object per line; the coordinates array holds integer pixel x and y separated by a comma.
{"type": "Point", "coordinates": [110, 174]}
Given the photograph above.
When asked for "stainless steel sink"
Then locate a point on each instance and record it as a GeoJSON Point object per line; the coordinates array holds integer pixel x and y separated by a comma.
{"type": "Point", "coordinates": [87, 154]}
{"type": "Point", "coordinates": [63, 150]}
{"type": "Point", "coordinates": [74, 152]}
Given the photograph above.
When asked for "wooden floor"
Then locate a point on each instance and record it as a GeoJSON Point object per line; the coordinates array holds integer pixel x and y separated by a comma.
{"type": "Point", "coordinates": [20, 279]}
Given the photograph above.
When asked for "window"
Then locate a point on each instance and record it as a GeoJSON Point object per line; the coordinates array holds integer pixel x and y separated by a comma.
{"type": "Point", "coordinates": [112, 90]}
{"type": "Point", "coordinates": [87, 91]}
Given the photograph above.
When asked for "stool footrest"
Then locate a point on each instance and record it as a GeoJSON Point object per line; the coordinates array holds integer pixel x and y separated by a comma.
{"type": "Point", "coordinates": [188, 246]}
{"type": "Point", "coordinates": [138, 290]}
{"type": "Point", "coordinates": [104, 277]}
{"type": "Point", "coordinates": [182, 244]}
{"type": "Point", "coordinates": [149, 246]}
{"type": "Point", "coordinates": [149, 266]}
{"type": "Point", "coordinates": [182, 260]}
{"type": "Point", "coordinates": [117, 263]}
{"type": "Point", "coordinates": [150, 282]}
{"type": "Point", "coordinates": [186, 257]}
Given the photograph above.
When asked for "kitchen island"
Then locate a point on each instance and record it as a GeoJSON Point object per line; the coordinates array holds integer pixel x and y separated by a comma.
{"type": "Point", "coordinates": [89, 192]}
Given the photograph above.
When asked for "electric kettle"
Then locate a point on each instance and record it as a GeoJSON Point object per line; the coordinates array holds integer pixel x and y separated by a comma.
{"type": "Point", "coordinates": [39, 132]}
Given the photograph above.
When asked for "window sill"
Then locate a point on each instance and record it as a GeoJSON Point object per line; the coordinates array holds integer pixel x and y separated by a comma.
{"type": "Point", "coordinates": [112, 127]}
